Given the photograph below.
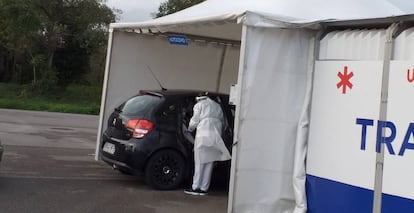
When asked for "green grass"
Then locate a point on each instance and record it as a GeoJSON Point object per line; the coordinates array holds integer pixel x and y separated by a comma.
{"type": "Point", "coordinates": [74, 99]}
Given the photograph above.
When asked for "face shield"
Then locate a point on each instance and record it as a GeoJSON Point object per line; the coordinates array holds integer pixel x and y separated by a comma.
{"type": "Point", "coordinates": [202, 96]}
{"type": "Point", "coordinates": [199, 98]}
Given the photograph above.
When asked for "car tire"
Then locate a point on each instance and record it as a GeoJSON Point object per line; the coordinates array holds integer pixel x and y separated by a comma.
{"type": "Point", "coordinates": [165, 170]}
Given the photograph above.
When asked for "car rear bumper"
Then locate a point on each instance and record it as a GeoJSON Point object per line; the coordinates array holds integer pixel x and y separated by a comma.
{"type": "Point", "coordinates": [121, 166]}
{"type": "Point", "coordinates": [127, 157]}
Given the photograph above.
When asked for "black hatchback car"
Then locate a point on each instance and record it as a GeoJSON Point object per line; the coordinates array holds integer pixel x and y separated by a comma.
{"type": "Point", "coordinates": [146, 135]}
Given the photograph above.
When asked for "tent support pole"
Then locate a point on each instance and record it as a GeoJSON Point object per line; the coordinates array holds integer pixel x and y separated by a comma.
{"type": "Point", "coordinates": [220, 72]}
{"type": "Point", "coordinates": [240, 79]}
{"type": "Point", "coordinates": [104, 93]}
{"type": "Point", "coordinates": [379, 165]}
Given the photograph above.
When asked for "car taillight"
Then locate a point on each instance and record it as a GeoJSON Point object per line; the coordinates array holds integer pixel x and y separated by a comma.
{"type": "Point", "coordinates": [140, 128]}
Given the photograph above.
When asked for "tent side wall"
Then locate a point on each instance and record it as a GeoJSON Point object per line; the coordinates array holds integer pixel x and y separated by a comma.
{"type": "Point", "coordinates": [200, 65]}
{"type": "Point", "coordinates": [274, 89]}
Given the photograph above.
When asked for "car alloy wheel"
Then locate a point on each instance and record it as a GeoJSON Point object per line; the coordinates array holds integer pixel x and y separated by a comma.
{"type": "Point", "coordinates": [165, 170]}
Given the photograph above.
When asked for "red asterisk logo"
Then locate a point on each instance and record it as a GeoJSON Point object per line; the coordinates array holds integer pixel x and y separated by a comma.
{"type": "Point", "coordinates": [344, 80]}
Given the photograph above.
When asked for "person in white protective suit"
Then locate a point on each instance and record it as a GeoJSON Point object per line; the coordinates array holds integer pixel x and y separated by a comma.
{"type": "Point", "coordinates": [208, 145]}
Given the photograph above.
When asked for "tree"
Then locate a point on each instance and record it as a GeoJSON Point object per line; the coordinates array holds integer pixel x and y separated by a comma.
{"type": "Point", "coordinates": [73, 29]}
{"type": "Point", "coordinates": [57, 37]}
{"type": "Point", "coordinates": [172, 6]}
{"type": "Point", "coordinates": [19, 35]}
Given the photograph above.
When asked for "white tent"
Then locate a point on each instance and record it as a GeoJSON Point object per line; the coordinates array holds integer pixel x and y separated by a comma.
{"type": "Point", "coordinates": [268, 49]}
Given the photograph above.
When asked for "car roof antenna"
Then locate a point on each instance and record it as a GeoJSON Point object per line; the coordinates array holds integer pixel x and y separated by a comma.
{"type": "Point", "coordinates": [155, 77]}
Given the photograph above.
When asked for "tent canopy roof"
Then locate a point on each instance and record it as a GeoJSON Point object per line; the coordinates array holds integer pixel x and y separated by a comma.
{"type": "Point", "coordinates": [218, 18]}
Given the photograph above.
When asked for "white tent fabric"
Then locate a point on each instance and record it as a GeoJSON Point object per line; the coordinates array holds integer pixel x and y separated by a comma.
{"type": "Point", "coordinates": [273, 96]}
{"type": "Point", "coordinates": [274, 82]}
{"type": "Point", "coordinates": [219, 12]}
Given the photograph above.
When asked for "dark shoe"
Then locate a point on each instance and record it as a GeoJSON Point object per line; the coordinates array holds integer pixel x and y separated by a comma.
{"type": "Point", "coordinates": [190, 191]}
{"type": "Point", "coordinates": [201, 192]}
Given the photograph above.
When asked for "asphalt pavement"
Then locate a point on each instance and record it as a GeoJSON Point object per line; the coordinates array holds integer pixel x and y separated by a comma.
{"type": "Point", "coordinates": [49, 166]}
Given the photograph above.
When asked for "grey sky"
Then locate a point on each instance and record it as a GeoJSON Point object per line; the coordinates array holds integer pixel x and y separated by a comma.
{"type": "Point", "coordinates": [405, 5]}
{"type": "Point", "coordinates": [135, 10]}
{"type": "Point", "coordinates": [140, 10]}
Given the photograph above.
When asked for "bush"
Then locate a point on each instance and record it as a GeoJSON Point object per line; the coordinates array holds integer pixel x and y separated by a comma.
{"type": "Point", "coordinates": [73, 99]}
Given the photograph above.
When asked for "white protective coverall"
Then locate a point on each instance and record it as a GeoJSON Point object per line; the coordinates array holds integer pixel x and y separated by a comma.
{"type": "Point", "coordinates": [208, 146]}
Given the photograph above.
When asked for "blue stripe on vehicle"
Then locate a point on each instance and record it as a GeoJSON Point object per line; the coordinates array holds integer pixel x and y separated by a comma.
{"type": "Point", "coordinates": [328, 196]}
{"type": "Point", "coordinates": [393, 204]}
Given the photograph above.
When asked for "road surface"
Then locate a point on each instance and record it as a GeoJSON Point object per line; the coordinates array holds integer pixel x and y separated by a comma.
{"type": "Point", "coordinates": [49, 166]}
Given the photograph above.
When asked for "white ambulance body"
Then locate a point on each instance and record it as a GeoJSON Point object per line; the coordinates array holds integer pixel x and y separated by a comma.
{"type": "Point", "coordinates": [353, 119]}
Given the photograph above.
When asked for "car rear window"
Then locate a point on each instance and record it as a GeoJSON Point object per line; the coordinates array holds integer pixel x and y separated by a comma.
{"type": "Point", "coordinates": [139, 104]}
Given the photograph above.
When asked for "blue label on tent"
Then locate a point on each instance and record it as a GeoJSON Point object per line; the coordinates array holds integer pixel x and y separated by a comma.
{"type": "Point", "coordinates": [178, 40]}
